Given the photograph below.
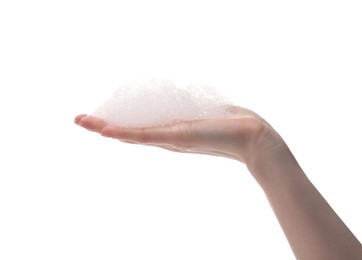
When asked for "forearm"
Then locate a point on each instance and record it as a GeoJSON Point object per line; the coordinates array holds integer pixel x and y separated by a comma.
{"type": "Point", "coordinates": [312, 228]}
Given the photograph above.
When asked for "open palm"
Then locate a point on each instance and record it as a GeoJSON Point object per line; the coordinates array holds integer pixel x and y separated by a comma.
{"type": "Point", "coordinates": [233, 137]}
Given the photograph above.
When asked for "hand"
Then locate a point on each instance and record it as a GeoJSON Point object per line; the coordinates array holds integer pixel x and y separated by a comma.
{"type": "Point", "coordinates": [310, 224]}
{"type": "Point", "coordinates": [237, 137]}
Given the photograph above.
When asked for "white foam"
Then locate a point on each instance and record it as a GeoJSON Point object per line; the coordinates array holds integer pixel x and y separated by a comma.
{"type": "Point", "coordinates": [160, 102]}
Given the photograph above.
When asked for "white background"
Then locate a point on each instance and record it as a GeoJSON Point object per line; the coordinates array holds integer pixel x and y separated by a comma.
{"type": "Point", "coordinates": [66, 193]}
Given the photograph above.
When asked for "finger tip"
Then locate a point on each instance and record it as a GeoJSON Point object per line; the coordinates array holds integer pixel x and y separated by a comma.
{"type": "Point", "coordinates": [78, 118]}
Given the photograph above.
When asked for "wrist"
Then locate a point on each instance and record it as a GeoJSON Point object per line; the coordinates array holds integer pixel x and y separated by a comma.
{"type": "Point", "coordinates": [272, 160]}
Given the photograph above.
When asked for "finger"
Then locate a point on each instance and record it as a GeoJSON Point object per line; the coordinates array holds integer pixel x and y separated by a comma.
{"type": "Point", "coordinates": [78, 118]}
{"type": "Point", "coordinates": [92, 123]}
{"type": "Point", "coordinates": [149, 135]}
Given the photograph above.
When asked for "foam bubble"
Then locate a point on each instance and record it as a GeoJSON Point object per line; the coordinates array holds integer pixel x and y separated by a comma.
{"type": "Point", "coordinates": [160, 102]}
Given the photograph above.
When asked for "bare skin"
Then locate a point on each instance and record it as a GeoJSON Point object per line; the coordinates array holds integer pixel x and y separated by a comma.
{"type": "Point", "coordinates": [313, 229]}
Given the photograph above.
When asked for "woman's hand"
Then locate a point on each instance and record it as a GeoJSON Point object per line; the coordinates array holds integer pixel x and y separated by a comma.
{"type": "Point", "coordinates": [239, 137]}
{"type": "Point", "coordinates": [313, 229]}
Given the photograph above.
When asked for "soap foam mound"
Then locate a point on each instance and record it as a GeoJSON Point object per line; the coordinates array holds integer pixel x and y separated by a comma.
{"type": "Point", "coordinates": [155, 102]}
